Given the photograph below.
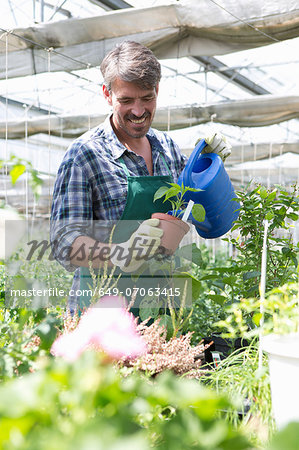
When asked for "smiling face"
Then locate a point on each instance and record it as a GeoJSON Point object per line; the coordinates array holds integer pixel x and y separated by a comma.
{"type": "Point", "coordinates": [133, 108]}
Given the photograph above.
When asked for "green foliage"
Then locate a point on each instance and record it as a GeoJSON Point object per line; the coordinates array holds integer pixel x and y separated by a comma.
{"type": "Point", "coordinates": [233, 281]}
{"type": "Point", "coordinates": [280, 314]}
{"type": "Point", "coordinates": [89, 404]}
{"type": "Point", "coordinates": [36, 273]}
{"type": "Point", "coordinates": [18, 166]}
{"type": "Point", "coordinates": [2, 284]}
{"type": "Point", "coordinates": [175, 194]}
{"type": "Point", "coordinates": [18, 331]}
{"type": "Point", "coordinates": [239, 376]}
{"type": "Point", "coordinates": [207, 295]}
{"type": "Point", "coordinates": [280, 208]}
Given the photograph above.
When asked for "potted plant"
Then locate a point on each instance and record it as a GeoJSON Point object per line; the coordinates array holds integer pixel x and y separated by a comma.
{"type": "Point", "coordinates": [174, 222]}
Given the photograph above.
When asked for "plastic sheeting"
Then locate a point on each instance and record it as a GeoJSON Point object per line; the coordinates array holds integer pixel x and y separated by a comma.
{"type": "Point", "coordinates": [260, 152]}
{"type": "Point", "coordinates": [257, 111]}
{"type": "Point", "coordinates": [282, 169]}
{"type": "Point", "coordinates": [186, 28]}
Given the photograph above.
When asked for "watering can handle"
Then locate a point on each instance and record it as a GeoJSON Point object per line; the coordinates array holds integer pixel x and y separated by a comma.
{"type": "Point", "coordinates": [193, 157]}
{"type": "Point", "coordinates": [197, 150]}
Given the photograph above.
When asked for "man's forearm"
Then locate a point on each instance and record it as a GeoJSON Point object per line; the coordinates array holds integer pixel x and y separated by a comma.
{"type": "Point", "coordinates": [86, 250]}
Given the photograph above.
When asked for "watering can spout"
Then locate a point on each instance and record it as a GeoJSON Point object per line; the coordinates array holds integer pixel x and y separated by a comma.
{"type": "Point", "coordinates": [206, 172]}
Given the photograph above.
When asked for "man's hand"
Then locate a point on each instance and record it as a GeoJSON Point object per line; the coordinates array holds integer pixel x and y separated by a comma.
{"type": "Point", "coordinates": [141, 246]}
{"type": "Point", "coordinates": [217, 144]}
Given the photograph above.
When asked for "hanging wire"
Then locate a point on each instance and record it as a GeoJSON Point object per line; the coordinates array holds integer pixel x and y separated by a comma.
{"type": "Point", "coordinates": [88, 68]}
{"type": "Point", "coordinates": [279, 167]}
{"type": "Point", "coordinates": [246, 23]}
{"type": "Point", "coordinates": [269, 167]}
{"type": "Point", "coordinates": [190, 116]}
{"type": "Point", "coordinates": [27, 158]}
{"type": "Point", "coordinates": [206, 85]}
{"type": "Point", "coordinates": [242, 162]}
{"type": "Point", "coordinates": [49, 132]}
{"type": "Point", "coordinates": [213, 250]}
{"type": "Point", "coordinates": [168, 118]}
{"type": "Point", "coordinates": [254, 152]}
{"type": "Point", "coordinates": [5, 167]}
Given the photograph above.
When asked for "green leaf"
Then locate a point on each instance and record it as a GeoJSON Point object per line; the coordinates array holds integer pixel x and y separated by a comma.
{"type": "Point", "coordinates": [269, 215]}
{"type": "Point", "coordinates": [285, 250]}
{"type": "Point", "coordinates": [272, 196]}
{"type": "Point", "coordinates": [186, 252]}
{"type": "Point", "coordinates": [282, 211]}
{"type": "Point", "coordinates": [196, 255]}
{"type": "Point", "coordinates": [199, 213]}
{"type": "Point", "coordinates": [166, 322]}
{"type": "Point", "coordinates": [219, 299]}
{"type": "Point", "coordinates": [292, 216]}
{"type": "Point", "coordinates": [231, 280]}
{"type": "Point", "coordinates": [251, 274]}
{"type": "Point", "coordinates": [190, 189]}
{"type": "Point", "coordinates": [16, 172]}
{"type": "Point", "coordinates": [149, 307]}
{"type": "Point", "coordinates": [256, 318]}
{"type": "Point", "coordinates": [196, 288]}
{"type": "Point", "coordinates": [263, 192]}
{"type": "Point", "coordinates": [252, 290]}
{"type": "Point", "coordinates": [160, 192]}
{"type": "Point", "coordinates": [172, 192]}
{"type": "Point", "coordinates": [47, 331]}
{"type": "Point", "coordinates": [209, 277]}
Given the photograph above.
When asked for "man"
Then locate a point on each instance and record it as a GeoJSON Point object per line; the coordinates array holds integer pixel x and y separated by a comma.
{"type": "Point", "coordinates": [110, 174]}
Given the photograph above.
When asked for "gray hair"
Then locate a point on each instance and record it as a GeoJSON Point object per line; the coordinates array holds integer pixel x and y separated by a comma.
{"type": "Point", "coordinates": [132, 62]}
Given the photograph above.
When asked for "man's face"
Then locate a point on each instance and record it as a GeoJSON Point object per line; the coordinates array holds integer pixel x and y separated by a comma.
{"type": "Point", "coordinates": [133, 108]}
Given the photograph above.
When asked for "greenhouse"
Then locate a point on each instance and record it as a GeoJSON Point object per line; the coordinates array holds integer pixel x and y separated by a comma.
{"type": "Point", "coordinates": [119, 119]}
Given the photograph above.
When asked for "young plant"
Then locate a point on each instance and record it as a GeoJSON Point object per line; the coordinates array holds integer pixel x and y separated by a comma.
{"type": "Point", "coordinates": [280, 314]}
{"type": "Point", "coordinates": [239, 276]}
{"type": "Point", "coordinates": [175, 194]}
{"type": "Point", "coordinates": [19, 166]}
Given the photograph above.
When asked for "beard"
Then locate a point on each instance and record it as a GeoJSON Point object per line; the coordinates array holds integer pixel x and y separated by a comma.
{"type": "Point", "coordinates": [135, 130]}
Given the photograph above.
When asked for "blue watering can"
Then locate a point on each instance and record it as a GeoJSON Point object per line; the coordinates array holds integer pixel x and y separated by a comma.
{"type": "Point", "coordinates": [206, 171]}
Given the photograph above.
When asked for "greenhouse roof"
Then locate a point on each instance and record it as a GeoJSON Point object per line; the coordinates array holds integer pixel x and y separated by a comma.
{"type": "Point", "coordinates": [226, 66]}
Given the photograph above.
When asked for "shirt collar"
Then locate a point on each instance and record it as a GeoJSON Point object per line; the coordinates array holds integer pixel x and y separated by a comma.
{"type": "Point", "coordinates": [117, 148]}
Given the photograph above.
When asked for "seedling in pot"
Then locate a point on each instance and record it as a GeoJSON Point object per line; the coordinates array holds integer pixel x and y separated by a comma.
{"type": "Point", "coordinates": [175, 194]}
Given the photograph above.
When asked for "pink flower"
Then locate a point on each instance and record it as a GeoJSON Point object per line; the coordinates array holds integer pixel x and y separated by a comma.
{"type": "Point", "coordinates": [107, 326]}
{"type": "Point", "coordinates": [69, 345]}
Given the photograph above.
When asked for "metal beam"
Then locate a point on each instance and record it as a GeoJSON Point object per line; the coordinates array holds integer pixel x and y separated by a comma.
{"type": "Point", "coordinates": [112, 4]}
{"type": "Point", "coordinates": [18, 104]}
{"type": "Point", "coordinates": [234, 76]}
{"type": "Point", "coordinates": [58, 8]}
{"type": "Point", "coordinates": [63, 11]}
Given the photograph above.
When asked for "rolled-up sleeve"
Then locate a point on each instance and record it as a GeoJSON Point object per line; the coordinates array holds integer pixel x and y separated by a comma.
{"type": "Point", "coordinates": [71, 214]}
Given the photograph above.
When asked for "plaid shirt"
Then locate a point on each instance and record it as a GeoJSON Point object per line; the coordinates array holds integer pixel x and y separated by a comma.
{"type": "Point", "coordinates": [91, 184]}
